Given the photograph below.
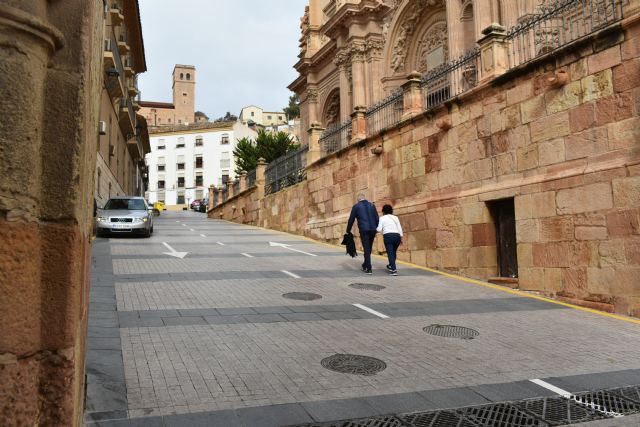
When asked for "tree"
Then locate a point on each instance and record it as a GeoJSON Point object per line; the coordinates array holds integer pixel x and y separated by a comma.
{"type": "Point", "coordinates": [293, 109]}
{"type": "Point", "coordinates": [227, 118]}
{"type": "Point", "coordinates": [268, 145]}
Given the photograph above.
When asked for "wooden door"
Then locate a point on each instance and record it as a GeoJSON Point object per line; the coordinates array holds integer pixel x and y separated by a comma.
{"type": "Point", "coordinates": [504, 213]}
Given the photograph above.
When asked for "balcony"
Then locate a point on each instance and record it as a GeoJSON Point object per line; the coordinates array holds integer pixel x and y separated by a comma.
{"type": "Point", "coordinates": [134, 145]}
{"type": "Point", "coordinates": [123, 46]}
{"type": "Point", "coordinates": [117, 18]}
{"type": "Point", "coordinates": [127, 116]}
{"type": "Point", "coordinates": [112, 65]}
{"type": "Point", "coordinates": [132, 90]}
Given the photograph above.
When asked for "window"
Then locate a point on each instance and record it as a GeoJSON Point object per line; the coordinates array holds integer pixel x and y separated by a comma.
{"type": "Point", "coordinates": [181, 76]}
{"type": "Point", "coordinates": [161, 168]}
{"type": "Point", "coordinates": [161, 196]}
{"type": "Point", "coordinates": [188, 76]}
{"type": "Point", "coordinates": [199, 194]}
{"type": "Point", "coordinates": [268, 117]}
{"type": "Point", "coordinates": [181, 182]}
{"type": "Point", "coordinates": [180, 166]}
{"type": "Point", "coordinates": [161, 185]}
{"type": "Point", "coordinates": [199, 162]}
{"type": "Point", "coordinates": [199, 142]}
{"type": "Point", "coordinates": [199, 182]}
{"type": "Point", "coordinates": [279, 117]}
{"type": "Point", "coordinates": [225, 178]}
{"type": "Point", "coordinates": [252, 114]}
{"type": "Point", "coordinates": [180, 200]}
{"type": "Point", "coordinates": [161, 145]}
{"type": "Point", "coordinates": [225, 161]}
{"type": "Point", "coordinates": [224, 139]}
{"type": "Point", "coordinates": [180, 143]}
{"type": "Point", "coordinates": [184, 93]}
{"type": "Point", "coordinates": [169, 120]}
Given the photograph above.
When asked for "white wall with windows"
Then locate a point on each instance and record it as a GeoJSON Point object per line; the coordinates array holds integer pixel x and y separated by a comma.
{"type": "Point", "coordinates": [183, 164]}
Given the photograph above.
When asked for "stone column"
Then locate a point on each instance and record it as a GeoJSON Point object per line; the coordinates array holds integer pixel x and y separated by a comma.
{"type": "Point", "coordinates": [482, 15]}
{"type": "Point", "coordinates": [344, 69]}
{"type": "Point", "coordinates": [494, 52]}
{"type": "Point", "coordinates": [312, 103]}
{"type": "Point", "coordinates": [315, 150]}
{"type": "Point", "coordinates": [455, 29]}
{"type": "Point", "coordinates": [510, 12]}
{"type": "Point", "coordinates": [243, 181]}
{"type": "Point", "coordinates": [358, 124]}
{"type": "Point", "coordinates": [261, 168]}
{"type": "Point", "coordinates": [412, 100]}
{"type": "Point", "coordinates": [50, 74]}
{"type": "Point", "coordinates": [357, 50]}
{"type": "Point", "coordinates": [374, 63]}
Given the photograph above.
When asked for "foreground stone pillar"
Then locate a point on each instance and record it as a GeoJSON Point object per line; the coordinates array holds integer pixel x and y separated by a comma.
{"type": "Point", "coordinates": [494, 52]}
{"type": "Point", "coordinates": [358, 124]}
{"type": "Point", "coordinates": [243, 181]}
{"type": "Point", "coordinates": [315, 150]}
{"type": "Point", "coordinates": [412, 100]}
{"type": "Point", "coordinates": [261, 169]}
{"type": "Point", "coordinates": [50, 79]}
{"type": "Point", "coordinates": [212, 194]}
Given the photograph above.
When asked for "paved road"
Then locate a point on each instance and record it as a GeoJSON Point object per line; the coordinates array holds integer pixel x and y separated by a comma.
{"type": "Point", "coordinates": [209, 339]}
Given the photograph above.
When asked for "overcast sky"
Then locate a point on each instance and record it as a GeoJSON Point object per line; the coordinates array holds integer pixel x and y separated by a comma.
{"type": "Point", "coordinates": [243, 50]}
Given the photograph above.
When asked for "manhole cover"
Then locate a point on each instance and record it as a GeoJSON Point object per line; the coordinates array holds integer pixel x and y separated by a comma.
{"type": "Point", "coordinates": [302, 296]}
{"type": "Point", "coordinates": [451, 331]}
{"type": "Point", "coordinates": [367, 286]}
{"type": "Point", "coordinates": [354, 364]}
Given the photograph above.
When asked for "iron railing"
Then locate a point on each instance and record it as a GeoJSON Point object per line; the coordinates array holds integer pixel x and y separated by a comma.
{"type": "Point", "coordinates": [251, 178]}
{"type": "Point", "coordinates": [336, 137]}
{"type": "Point", "coordinates": [225, 193]}
{"type": "Point", "coordinates": [385, 113]}
{"type": "Point", "coordinates": [287, 170]}
{"type": "Point", "coordinates": [450, 79]}
{"type": "Point", "coordinates": [236, 187]}
{"type": "Point", "coordinates": [556, 23]}
{"type": "Point", "coordinates": [215, 197]}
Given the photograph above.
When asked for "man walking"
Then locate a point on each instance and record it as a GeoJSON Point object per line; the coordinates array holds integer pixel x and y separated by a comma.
{"type": "Point", "coordinates": [367, 216]}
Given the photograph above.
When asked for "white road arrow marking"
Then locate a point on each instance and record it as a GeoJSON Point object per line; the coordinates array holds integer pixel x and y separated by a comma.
{"type": "Point", "coordinates": [173, 252]}
{"type": "Point", "coordinates": [282, 245]}
{"type": "Point", "coordinates": [370, 310]}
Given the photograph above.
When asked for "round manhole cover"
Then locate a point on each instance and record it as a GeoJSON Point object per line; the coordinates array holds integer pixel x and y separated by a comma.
{"type": "Point", "coordinates": [367, 286]}
{"type": "Point", "coordinates": [451, 331]}
{"type": "Point", "coordinates": [354, 364]}
{"type": "Point", "coordinates": [302, 296]}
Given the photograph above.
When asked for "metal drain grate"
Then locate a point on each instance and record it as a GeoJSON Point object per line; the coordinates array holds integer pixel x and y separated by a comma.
{"type": "Point", "coordinates": [607, 402]}
{"type": "Point", "coordinates": [367, 286]}
{"type": "Point", "coordinates": [353, 364]}
{"type": "Point", "coordinates": [436, 419]}
{"type": "Point", "coordinates": [632, 393]}
{"type": "Point", "coordinates": [451, 331]}
{"type": "Point", "coordinates": [302, 296]}
{"type": "Point", "coordinates": [558, 410]}
{"type": "Point", "coordinates": [388, 421]}
{"type": "Point", "coordinates": [500, 415]}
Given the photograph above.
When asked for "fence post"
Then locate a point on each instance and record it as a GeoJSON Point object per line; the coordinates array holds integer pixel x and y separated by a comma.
{"type": "Point", "coordinates": [412, 99]}
{"type": "Point", "coordinates": [358, 124]}
{"type": "Point", "coordinates": [230, 189]}
{"type": "Point", "coordinates": [315, 151]}
{"type": "Point", "coordinates": [494, 52]}
{"type": "Point", "coordinates": [261, 168]}
{"type": "Point", "coordinates": [243, 181]}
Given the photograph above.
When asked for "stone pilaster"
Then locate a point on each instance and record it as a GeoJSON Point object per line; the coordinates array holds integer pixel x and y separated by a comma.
{"type": "Point", "coordinates": [358, 124]}
{"type": "Point", "coordinates": [494, 52]}
{"type": "Point", "coordinates": [261, 169]}
{"type": "Point", "coordinates": [243, 181]}
{"type": "Point", "coordinates": [315, 150]}
{"type": "Point", "coordinates": [412, 100]}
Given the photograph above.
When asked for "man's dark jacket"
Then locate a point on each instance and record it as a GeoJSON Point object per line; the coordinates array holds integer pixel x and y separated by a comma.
{"type": "Point", "coordinates": [350, 245]}
{"type": "Point", "coordinates": [367, 216]}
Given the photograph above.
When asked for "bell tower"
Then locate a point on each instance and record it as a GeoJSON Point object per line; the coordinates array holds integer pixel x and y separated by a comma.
{"type": "Point", "coordinates": [184, 93]}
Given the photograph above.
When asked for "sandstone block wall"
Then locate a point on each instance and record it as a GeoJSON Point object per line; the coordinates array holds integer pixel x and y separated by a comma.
{"type": "Point", "coordinates": [568, 156]}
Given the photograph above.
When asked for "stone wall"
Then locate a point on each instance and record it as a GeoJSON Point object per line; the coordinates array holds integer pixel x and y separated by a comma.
{"type": "Point", "coordinates": [50, 79]}
{"type": "Point", "coordinates": [568, 155]}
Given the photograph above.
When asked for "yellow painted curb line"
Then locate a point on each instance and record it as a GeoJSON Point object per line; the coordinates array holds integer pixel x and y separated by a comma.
{"type": "Point", "coordinates": [464, 279]}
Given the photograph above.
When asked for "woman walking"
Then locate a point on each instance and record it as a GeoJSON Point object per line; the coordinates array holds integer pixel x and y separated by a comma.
{"type": "Point", "coordinates": [391, 230]}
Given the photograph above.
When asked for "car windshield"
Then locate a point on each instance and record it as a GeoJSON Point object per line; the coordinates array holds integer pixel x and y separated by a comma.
{"type": "Point", "coordinates": [125, 204]}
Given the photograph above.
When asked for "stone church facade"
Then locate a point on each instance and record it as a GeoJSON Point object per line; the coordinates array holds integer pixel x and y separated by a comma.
{"type": "Point", "coordinates": [511, 153]}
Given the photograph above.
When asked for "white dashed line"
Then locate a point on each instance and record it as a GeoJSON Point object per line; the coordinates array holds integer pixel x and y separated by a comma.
{"type": "Point", "coordinates": [288, 273]}
{"type": "Point", "coordinates": [220, 243]}
{"type": "Point", "coordinates": [370, 310]}
{"type": "Point", "coordinates": [191, 229]}
{"type": "Point", "coordinates": [202, 235]}
{"type": "Point", "coordinates": [567, 395]}
{"type": "Point", "coordinates": [247, 255]}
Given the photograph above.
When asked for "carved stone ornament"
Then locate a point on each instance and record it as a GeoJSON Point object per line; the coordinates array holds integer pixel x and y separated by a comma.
{"type": "Point", "coordinates": [312, 95]}
{"type": "Point", "coordinates": [374, 48]}
{"type": "Point", "coordinates": [342, 57]}
{"type": "Point", "coordinates": [332, 111]}
{"type": "Point", "coordinates": [406, 30]}
{"type": "Point", "coordinates": [434, 38]}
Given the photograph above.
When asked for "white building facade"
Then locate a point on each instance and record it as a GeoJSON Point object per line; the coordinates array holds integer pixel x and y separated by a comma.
{"type": "Point", "coordinates": [185, 160]}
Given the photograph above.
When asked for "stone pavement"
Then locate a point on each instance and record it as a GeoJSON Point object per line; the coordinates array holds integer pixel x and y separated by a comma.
{"type": "Point", "coordinates": [210, 340]}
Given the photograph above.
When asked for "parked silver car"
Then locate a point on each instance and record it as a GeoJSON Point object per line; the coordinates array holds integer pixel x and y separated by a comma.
{"type": "Point", "coordinates": [125, 215]}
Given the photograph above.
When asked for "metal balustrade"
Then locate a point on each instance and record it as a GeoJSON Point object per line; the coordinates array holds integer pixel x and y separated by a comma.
{"type": "Point", "coordinates": [385, 113]}
{"type": "Point", "coordinates": [336, 137]}
{"type": "Point", "coordinates": [287, 170]}
{"type": "Point", "coordinates": [556, 23]}
{"type": "Point", "coordinates": [251, 178]}
{"type": "Point", "coordinates": [236, 187]}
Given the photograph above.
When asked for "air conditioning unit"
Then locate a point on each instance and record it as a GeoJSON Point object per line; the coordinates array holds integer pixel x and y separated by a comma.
{"type": "Point", "coordinates": [102, 128]}
{"type": "Point", "coordinates": [107, 45]}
